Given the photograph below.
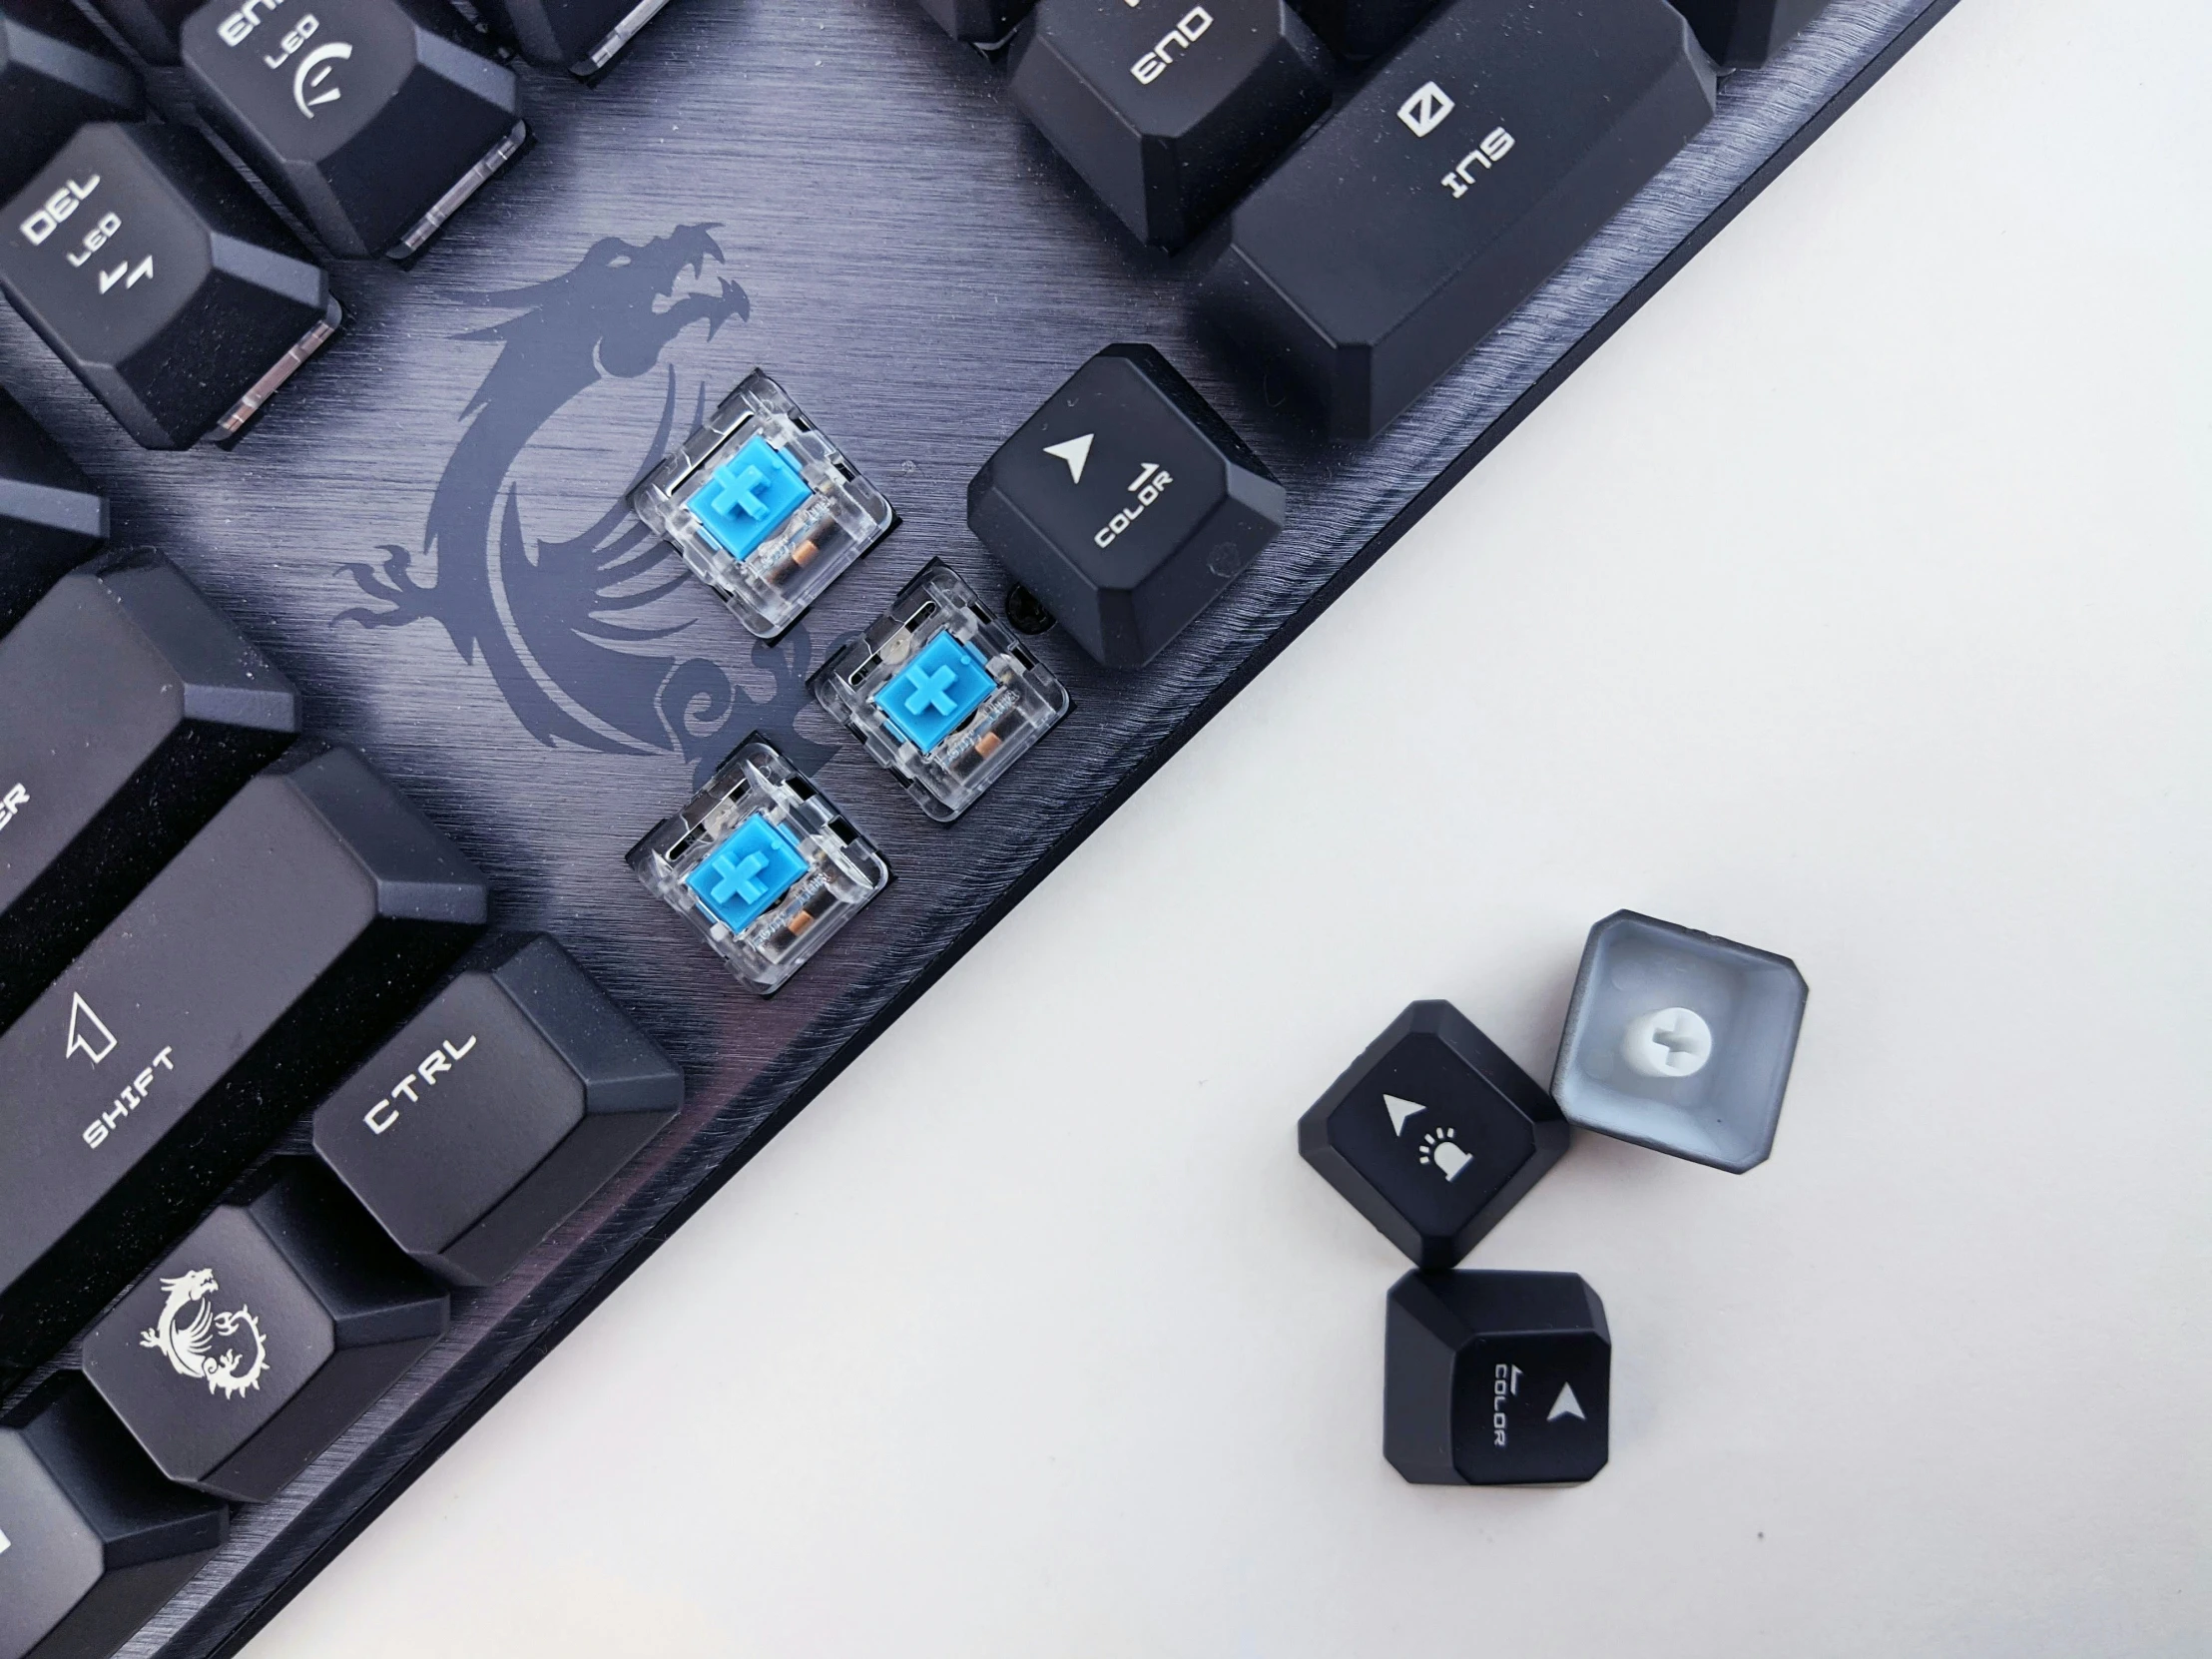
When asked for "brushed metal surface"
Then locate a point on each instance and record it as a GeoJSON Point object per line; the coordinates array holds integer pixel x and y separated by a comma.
{"type": "Point", "coordinates": [424, 532]}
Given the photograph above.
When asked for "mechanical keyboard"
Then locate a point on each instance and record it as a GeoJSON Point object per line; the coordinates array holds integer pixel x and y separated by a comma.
{"type": "Point", "coordinates": [559, 563]}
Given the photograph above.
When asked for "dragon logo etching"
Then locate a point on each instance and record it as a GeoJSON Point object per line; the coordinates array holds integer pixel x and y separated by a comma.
{"type": "Point", "coordinates": [560, 623]}
{"type": "Point", "coordinates": [186, 1348]}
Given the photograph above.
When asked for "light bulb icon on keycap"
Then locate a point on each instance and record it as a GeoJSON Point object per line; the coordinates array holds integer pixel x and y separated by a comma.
{"type": "Point", "coordinates": [1443, 1153]}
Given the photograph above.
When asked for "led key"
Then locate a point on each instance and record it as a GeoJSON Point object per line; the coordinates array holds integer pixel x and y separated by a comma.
{"type": "Point", "coordinates": [1744, 32]}
{"type": "Point", "coordinates": [304, 919]}
{"type": "Point", "coordinates": [130, 712]}
{"type": "Point", "coordinates": [50, 515]}
{"type": "Point", "coordinates": [163, 281]}
{"type": "Point", "coordinates": [56, 74]}
{"type": "Point", "coordinates": [1125, 505]}
{"type": "Point", "coordinates": [1496, 1379]}
{"type": "Point", "coordinates": [93, 1541]}
{"type": "Point", "coordinates": [581, 35]}
{"type": "Point", "coordinates": [498, 1110]}
{"type": "Point", "coordinates": [1168, 109]}
{"type": "Point", "coordinates": [264, 1335]}
{"type": "Point", "coordinates": [369, 119]}
{"type": "Point", "coordinates": [1470, 167]}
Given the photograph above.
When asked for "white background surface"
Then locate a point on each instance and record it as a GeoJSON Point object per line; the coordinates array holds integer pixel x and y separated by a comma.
{"type": "Point", "coordinates": [1853, 604]}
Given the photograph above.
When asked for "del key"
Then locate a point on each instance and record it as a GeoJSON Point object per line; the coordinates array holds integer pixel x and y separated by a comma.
{"type": "Point", "coordinates": [1471, 167]}
{"type": "Point", "coordinates": [299, 923]}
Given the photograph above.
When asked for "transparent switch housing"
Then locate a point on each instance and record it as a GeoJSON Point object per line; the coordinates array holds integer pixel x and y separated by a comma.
{"type": "Point", "coordinates": [943, 694]}
{"type": "Point", "coordinates": [762, 865]}
{"type": "Point", "coordinates": [764, 509]}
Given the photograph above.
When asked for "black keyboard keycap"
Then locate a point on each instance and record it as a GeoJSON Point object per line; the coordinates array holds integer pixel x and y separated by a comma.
{"type": "Point", "coordinates": [1361, 28]}
{"type": "Point", "coordinates": [1469, 168]}
{"type": "Point", "coordinates": [92, 1540]}
{"type": "Point", "coordinates": [51, 517]}
{"type": "Point", "coordinates": [130, 712]}
{"type": "Point", "coordinates": [148, 27]}
{"type": "Point", "coordinates": [581, 35]}
{"type": "Point", "coordinates": [296, 926]}
{"type": "Point", "coordinates": [265, 1334]}
{"type": "Point", "coordinates": [1496, 1380]}
{"type": "Point", "coordinates": [1125, 505]}
{"type": "Point", "coordinates": [1746, 33]}
{"type": "Point", "coordinates": [163, 281]}
{"type": "Point", "coordinates": [496, 1111]}
{"type": "Point", "coordinates": [1168, 109]}
{"type": "Point", "coordinates": [56, 74]}
{"type": "Point", "coordinates": [977, 20]}
{"type": "Point", "coordinates": [1433, 1134]}
{"type": "Point", "coordinates": [369, 119]}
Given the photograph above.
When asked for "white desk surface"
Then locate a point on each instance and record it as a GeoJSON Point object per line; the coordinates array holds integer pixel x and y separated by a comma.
{"type": "Point", "coordinates": [1854, 603]}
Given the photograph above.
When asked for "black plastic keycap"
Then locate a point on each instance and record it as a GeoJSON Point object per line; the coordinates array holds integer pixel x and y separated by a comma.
{"type": "Point", "coordinates": [581, 35]}
{"type": "Point", "coordinates": [1433, 1134]}
{"type": "Point", "coordinates": [1167, 108]}
{"type": "Point", "coordinates": [1469, 168]}
{"type": "Point", "coordinates": [242, 984]}
{"type": "Point", "coordinates": [977, 20]}
{"type": "Point", "coordinates": [130, 712]}
{"type": "Point", "coordinates": [148, 27]}
{"type": "Point", "coordinates": [51, 517]}
{"type": "Point", "coordinates": [498, 1110]}
{"type": "Point", "coordinates": [92, 1540]}
{"type": "Point", "coordinates": [1496, 1380]}
{"type": "Point", "coordinates": [1744, 32]}
{"type": "Point", "coordinates": [1125, 505]}
{"type": "Point", "coordinates": [1361, 28]}
{"type": "Point", "coordinates": [268, 1332]}
{"type": "Point", "coordinates": [162, 280]}
{"type": "Point", "coordinates": [368, 118]}
{"type": "Point", "coordinates": [56, 74]}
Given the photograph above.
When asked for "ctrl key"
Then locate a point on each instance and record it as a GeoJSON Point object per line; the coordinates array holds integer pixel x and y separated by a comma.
{"type": "Point", "coordinates": [496, 1111]}
{"type": "Point", "coordinates": [92, 1540]}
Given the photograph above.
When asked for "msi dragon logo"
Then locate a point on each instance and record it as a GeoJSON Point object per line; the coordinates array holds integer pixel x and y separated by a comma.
{"type": "Point", "coordinates": [561, 624]}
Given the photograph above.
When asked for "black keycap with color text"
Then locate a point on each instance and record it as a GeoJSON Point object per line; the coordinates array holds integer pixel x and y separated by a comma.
{"type": "Point", "coordinates": [264, 1335]}
{"type": "Point", "coordinates": [1746, 33]}
{"type": "Point", "coordinates": [1125, 505]}
{"type": "Point", "coordinates": [1168, 109]}
{"type": "Point", "coordinates": [371, 119]}
{"type": "Point", "coordinates": [1433, 1134]}
{"type": "Point", "coordinates": [131, 712]}
{"type": "Point", "coordinates": [498, 1110]}
{"type": "Point", "coordinates": [51, 517]}
{"type": "Point", "coordinates": [165, 284]}
{"type": "Point", "coordinates": [1474, 163]}
{"type": "Point", "coordinates": [1496, 1380]}
{"type": "Point", "coordinates": [92, 1540]}
{"type": "Point", "coordinates": [305, 919]}
{"type": "Point", "coordinates": [56, 74]}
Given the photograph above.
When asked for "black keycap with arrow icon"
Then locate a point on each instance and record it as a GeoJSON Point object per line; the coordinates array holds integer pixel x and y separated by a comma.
{"type": "Point", "coordinates": [1433, 1134]}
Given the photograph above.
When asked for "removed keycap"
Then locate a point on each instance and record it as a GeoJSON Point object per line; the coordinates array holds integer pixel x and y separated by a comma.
{"type": "Point", "coordinates": [162, 281]}
{"type": "Point", "coordinates": [1474, 162]}
{"type": "Point", "coordinates": [374, 128]}
{"type": "Point", "coordinates": [1432, 1134]}
{"type": "Point", "coordinates": [498, 1110]}
{"type": "Point", "coordinates": [1125, 504]}
{"type": "Point", "coordinates": [134, 712]}
{"type": "Point", "coordinates": [1168, 109]}
{"type": "Point", "coordinates": [1496, 1380]}
{"type": "Point", "coordinates": [56, 74]}
{"type": "Point", "coordinates": [50, 515]}
{"type": "Point", "coordinates": [982, 21]}
{"type": "Point", "coordinates": [581, 35]}
{"type": "Point", "coordinates": [92, 1540]}
{"type": "Point", "coordinates": [306, 918]}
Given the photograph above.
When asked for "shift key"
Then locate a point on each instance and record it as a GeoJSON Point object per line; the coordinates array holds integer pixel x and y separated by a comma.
{"type": "Point", "coordinates": [307, 915]}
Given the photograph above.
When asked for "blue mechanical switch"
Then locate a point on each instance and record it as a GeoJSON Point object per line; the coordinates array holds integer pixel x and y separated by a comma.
{"type": "Point", "coordinates": [748, 496]}
{"type": "Point", "coordinates": [748, 873]}
{"type": "Point", "coordinates": [945, 684]}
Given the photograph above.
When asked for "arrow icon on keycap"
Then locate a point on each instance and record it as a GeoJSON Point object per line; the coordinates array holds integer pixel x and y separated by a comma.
{"type": "Point", "coordinates": [1566, 1405]}
{"type": "Point", "coordinates": [1399, 1111]}
{"type": "Point", "coordinates": [1075, 452]}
